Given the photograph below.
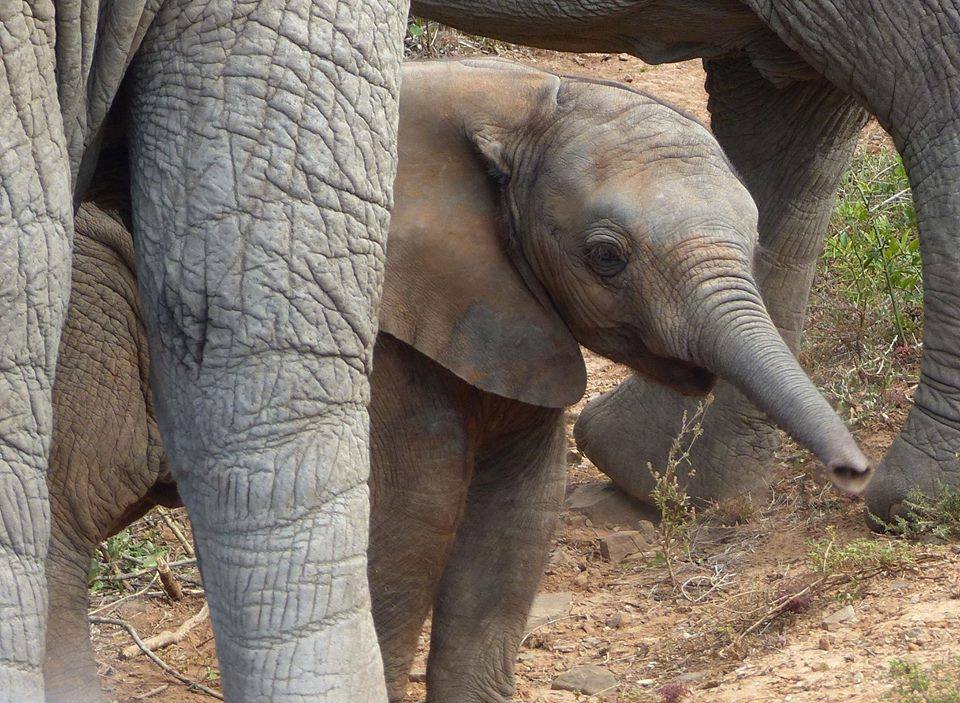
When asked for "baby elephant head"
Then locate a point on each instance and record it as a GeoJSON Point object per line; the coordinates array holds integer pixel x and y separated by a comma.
{"type": "Point", "coordinates": [605, 215]}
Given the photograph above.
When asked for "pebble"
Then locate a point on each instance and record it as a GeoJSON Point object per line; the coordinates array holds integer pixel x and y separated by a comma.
{"type": "Point", "coordinates": [588, 680]}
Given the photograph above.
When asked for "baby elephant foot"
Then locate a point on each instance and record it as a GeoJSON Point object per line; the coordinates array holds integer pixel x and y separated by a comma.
{"type": "Point", "coordinates": [923, 458]}
{"type": "Point", "coordinates": [635, 424]}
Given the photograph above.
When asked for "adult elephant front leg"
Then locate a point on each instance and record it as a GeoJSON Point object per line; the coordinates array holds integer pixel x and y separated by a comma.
{"type": "Point", "coordinates": [791, 146]}
{"type": "Point", "coordinates": [902, 60]}
{"type": "Point", "coordinates": [36, 226]}
{"type": "Point", "coordinates": [262, 157]}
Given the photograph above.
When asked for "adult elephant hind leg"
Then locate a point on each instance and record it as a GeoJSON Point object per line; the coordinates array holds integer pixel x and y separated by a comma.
{"type": "Point", "coordinates": [496, 564]}
{"type": "Point", "coordinates": [790, 145]}
{"type": "Point", "coordinates": [423, 430]}
{"type": "Point", "coordinates": [262, 158]}
{"type": "Point", "coordinates": [36, 226]}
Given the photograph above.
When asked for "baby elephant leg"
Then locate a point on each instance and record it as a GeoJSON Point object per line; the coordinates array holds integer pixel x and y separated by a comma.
{"type": "Point", "coordinates": [421, 463]}
{"type": "Point", "coordinates": [491, 578]}
{"type": "Point", "coordinates": [105, 457]}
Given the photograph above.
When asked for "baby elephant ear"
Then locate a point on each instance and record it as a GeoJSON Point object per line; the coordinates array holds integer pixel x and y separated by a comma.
{"type": "Point", "coordinates": [451, 291]}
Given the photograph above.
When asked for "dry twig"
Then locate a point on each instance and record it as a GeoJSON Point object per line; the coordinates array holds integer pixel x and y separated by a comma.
{"type": "Point", "coordinates": [167, 637]}
{"type": "Point", "coordinates": [154, 658]}
{"type": "Point", "coordinates": [170, 522]}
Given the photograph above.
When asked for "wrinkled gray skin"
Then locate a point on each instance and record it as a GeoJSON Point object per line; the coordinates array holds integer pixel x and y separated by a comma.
{"type": "Point", "coordinates": [629, 234]}
{"type": "Point", "coordinates": [260, 149]}
{"type": "Point", "coordinates": [790, 85]}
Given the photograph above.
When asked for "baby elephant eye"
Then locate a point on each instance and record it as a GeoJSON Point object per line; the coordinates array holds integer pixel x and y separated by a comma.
{"type": "Point", "coordinates": [605, 255]}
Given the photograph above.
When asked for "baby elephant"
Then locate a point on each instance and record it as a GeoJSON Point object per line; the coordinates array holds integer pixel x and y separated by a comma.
{"type": "Point", "coordinates": [533, 213]}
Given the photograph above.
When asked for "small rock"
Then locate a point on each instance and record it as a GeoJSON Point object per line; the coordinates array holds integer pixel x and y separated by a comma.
{"type": "Point", "coordinates": [825, 644]}
{"type": "Point", "coordinates": [526, 657]}
{"type": "Point", "coordinates": [547, 607]}
{"type": "Point", "coordinates": [418, 676]}
{"type": "Point", "coordinates": [573, 458]}
{"type": "Point", "coordinates": [618, 546]}
{"type": "Point", "coordinates": [581, 579]}
{"type": "Point", "coordinates": [845, 614]}
{"type": "Point", "coordinates": [858, 677]}
{"type": "Point", "coordinates": [819, 666]}
{"type": "Point", "coordinates": [604, 504]}
{"type": "Point", "coordinates": [619, 620]}
{"type": "Point", "coordinates": [589, 680]}
{"type": "Point", "coordinates": [624, 57]}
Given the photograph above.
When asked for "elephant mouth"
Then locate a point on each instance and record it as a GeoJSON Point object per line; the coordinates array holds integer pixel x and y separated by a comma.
{"type": "Point", "coordinates": [682, 376]}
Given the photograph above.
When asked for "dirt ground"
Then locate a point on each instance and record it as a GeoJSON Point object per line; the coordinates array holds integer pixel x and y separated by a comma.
{"type": "Point", "coordinates": [708, 641]}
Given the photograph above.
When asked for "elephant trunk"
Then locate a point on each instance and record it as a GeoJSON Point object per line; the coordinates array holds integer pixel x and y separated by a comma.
{"type": "Point", "coordinates": [742, 345]}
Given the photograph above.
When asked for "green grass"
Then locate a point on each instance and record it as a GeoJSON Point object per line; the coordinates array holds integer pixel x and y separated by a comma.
{"type": "Point", "coordinates": [913, 683]}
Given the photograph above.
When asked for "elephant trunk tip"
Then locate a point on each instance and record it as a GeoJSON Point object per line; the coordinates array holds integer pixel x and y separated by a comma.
{"type": "Point", "coordinates": [851, 471]}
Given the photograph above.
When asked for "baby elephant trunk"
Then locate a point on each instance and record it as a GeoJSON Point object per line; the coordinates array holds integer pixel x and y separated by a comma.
{"type": "Point", "coordinates": [741, 344]}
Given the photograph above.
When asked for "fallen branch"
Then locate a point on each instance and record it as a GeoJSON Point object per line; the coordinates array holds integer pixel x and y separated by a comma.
{"type": "Point", "coordinates": [154, 658]}
{"type": "Point", "coordinates": [167, 637]}
{"type": "Point", "coordinates": [167, 518]}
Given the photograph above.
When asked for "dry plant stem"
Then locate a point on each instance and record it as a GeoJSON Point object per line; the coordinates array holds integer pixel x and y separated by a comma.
{"type": "Point", "coordinates": [542, 625]}
{"type": "Point", "coordinates": [152, 692]}
{"type": "Point", "coordinates": [114, 567]}
{"type": "Point", "coordinates": [170, 522]}
{"type": "Point", "coordinates": [131, 596]}
{"type": "Point", "coordinates": [167, 637]}
{"type": "Point", "coordinates": [145, 572]}
{"type": "Point", "coordinates": [169, 582]}
{"type": "Point", "coordinates": [154, 658]}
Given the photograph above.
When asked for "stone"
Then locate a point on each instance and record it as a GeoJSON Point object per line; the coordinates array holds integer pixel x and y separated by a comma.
{"type": "Point", "coordinates": [825, 644]}
{"type": "Point", "coordinates": [845, 614]}
{"type": "Point", "coordinates": [605, 505]}
{"type": "Point", "coordinates": [588, 680]}
{"type": "Point", "coordinates": [573, 457]}
{"type": "Point", "coordinates": [819, 666]}
{"type": "Point", "coordinates": [619, 620]}
{"type": "Point", "coordinates": [547, 607]}
{"type": "Point", "coordinates": [618, 546]}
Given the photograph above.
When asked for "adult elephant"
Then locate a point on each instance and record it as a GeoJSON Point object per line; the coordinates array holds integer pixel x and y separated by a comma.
{"type": "Point", "coordinates": [791, 83]}
{"type": "Point", "coordinates": [249, 129]}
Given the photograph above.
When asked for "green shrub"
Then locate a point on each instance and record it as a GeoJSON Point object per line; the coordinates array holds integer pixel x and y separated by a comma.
{"type": "Point", "coordinates": [873, 248]}
{"type": "Point", "coordinates": [936, 516]}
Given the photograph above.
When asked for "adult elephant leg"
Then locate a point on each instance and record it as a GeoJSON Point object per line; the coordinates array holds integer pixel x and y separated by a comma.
{"type": "Point", "coordinates": [36, 226]}
{"type": "Point", "coordinates": [902, 61]}
{"type": "Point", "coordinates": [791, 146]}
{"type": "Point", "coordinates": [262, 157]}
{"type": "Point", "coordinates": [490, 581]}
